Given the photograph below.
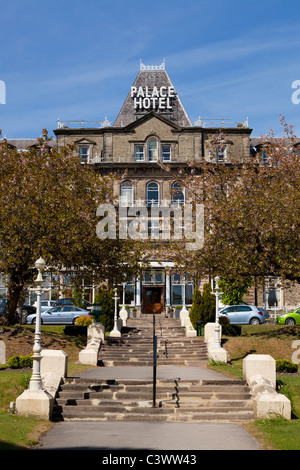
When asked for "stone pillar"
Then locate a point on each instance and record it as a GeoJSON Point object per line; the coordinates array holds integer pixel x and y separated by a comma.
{"type": "Point", "coordinates": [168, 291]}
{"type": "Point", "coordinates": [259, 371]}
{"type": "Point", "coordinates": [260, 364]}
{"type": "Point", "coordinates": [138, 292]}
{"type": "Point", "coordinates": [2, 352]}
{"type": "Point", "coordinates": [218, 354]}
{"type": "Point", "coordinates": [95, 335]}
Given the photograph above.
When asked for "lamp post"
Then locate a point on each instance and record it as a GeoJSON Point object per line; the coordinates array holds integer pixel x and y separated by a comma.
{"type": "Point", "coordinates": [36, 379]}
{"type": "Point", "coordinates": [35, 401]}
{"type": "Point", "coordinates": [217, 327]}
{"type": "Point", "coordinates": [116, 311]}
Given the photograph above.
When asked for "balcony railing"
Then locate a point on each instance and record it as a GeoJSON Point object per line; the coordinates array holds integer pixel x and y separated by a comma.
{"type": "Point", "coordinates": [83, 124]}
{"type": "Point", "coordinates": [150, 203]}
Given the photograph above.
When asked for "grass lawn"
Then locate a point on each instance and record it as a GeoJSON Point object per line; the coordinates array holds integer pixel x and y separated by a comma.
{"type": "Point", "coordinates": [19, 432]}
{"type": "Point", "coordinates": [277, 341]}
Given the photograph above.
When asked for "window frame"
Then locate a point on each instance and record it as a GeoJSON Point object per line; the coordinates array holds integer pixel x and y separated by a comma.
{"type": "Point", "coordinates": [162, 152]}
{"type": "Point", "coordinates": [81, 147]}
{"type": "Point", "coordinates": [139, 153]}
{"type": "Point", "coordinates": [154, 150]}
{"type": "Point", "coordinates": [174, 201]}
{"type": "Point", "coordinates": [156, 202]}
{"type": "Point", "coordinates": [129, 201]}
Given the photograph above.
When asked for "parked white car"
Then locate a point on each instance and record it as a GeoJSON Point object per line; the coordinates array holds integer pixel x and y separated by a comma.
{"type": "Point", "coordinates": [45, 304]}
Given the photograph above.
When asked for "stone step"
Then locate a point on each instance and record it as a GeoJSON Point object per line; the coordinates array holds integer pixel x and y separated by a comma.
{"type": "Point", "coordinates": [159, 414]}
{"type": "Point", "coordinates": [132, 399]}
{"type": "Point", "coordinates": [149, 354]}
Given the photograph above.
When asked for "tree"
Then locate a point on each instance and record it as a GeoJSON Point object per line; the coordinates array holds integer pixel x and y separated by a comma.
{"type": "Point", "coordinates": [196, 306]}
{"type": "Point", "coordinates": [252, 213]}
{"type": "Point", "coordinates": [233, 289]}
{"type": "Point", "coordinates": [106, 298]}
{"type": "Point", "coordinates": [48, 203]}
{"type": "Point", "coordinates": [208, 305]}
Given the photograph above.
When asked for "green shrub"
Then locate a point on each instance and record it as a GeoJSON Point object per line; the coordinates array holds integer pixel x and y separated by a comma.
{"type": "Point", "coordinates": [105, 297]}
{"type": "Point", "coordinates": [20, 362]}
{"type": "Point", "coordinates": [284, 365]}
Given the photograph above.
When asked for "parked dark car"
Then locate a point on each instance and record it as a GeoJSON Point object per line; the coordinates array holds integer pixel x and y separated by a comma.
{"type": "Point", "coordinates": [2, 305]}
{"type": "Point", "coordinates": [27, 310]}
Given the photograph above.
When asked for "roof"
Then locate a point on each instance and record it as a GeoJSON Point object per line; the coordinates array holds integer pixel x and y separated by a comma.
{"type": "Point", "coordinates": [23, 144]}
{"type": "Point", "coordinates": [152, 90]}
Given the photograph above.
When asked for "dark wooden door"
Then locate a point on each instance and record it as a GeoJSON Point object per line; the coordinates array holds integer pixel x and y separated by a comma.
{"type": "Point", "coordinates": [153, 299]}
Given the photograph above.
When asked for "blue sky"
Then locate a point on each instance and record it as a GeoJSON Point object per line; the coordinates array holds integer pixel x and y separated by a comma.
{"type": "Point", "coordinates": [75, 59]}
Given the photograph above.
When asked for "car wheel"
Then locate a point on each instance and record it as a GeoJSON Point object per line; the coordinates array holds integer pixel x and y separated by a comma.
{"type": "Point", "coordinates": [290, 321]}
{"type": "Point", "coordinates": [33, 321]}
{"type": "Point", "coordinates": [74, 320]}
{"type": "Point", "coordinates": [254, 321]}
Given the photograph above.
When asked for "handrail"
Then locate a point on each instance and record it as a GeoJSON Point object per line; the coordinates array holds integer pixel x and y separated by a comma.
{"type": "Point", "coordinates": [174, 395]}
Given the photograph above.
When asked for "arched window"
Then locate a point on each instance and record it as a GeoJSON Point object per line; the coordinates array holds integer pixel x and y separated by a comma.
{"type": "Point", "coordinates": [152, 150]}
{"type": "Point", "coordinates": [177, 194]}
{"type": "Point", "coordinates": [126, 194]}
{"type": "Point", "coordinates": [152, 194]}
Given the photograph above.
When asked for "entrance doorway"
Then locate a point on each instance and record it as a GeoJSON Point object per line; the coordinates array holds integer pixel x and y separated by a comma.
{"type": "Point", "coordinates": [153, 299]}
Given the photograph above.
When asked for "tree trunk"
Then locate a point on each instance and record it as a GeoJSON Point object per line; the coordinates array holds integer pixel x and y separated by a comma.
{"type": "Point", "coordinates": [13, 296]}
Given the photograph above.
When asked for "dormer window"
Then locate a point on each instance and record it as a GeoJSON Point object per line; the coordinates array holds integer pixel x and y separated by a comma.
{"type": "Point", "coordinates": [84, 153]}
{"type": "Point", "coordinates": [221, 154]}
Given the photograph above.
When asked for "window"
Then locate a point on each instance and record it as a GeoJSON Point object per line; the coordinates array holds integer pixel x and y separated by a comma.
{"type": "Point", "coordinates": [177, 194]}
{"type": "Point", "coordinates": [152, 194]}
{"type": "Point", "coordinates": [126, 194]}
{"type": "Point", "coordinates": [84, 154]}
{"type": "Point", "coordinates": [182, 290]}
{"type": "Point", "coordinates": [139, 153]}
{"type": "Point", "coordinates": [153, 277]}
{"type": "Point", "coordinates": [166, 152]}
{"type": "Point", "coordinates": [152, 150]}
{"type": "Point", "coordinates": [221, 154]}
{"type": "Point", "coordinates": [153, 228]}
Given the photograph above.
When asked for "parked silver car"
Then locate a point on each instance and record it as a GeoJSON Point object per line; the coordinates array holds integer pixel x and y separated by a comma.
{"type": "Point", "coordinates": [64, 315]}
{"type": "Point", "coordinates": [244, 314]}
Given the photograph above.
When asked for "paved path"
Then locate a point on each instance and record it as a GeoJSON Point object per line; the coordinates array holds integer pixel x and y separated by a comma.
{"type": "Point", "coordinates": [123, 436]}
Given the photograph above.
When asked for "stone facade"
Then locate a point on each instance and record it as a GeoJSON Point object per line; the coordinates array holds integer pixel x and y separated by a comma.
{"type": "Point", "coordinates": [142, 135]}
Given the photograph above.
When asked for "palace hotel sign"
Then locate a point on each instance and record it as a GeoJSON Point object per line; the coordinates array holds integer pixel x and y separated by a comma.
{"type": "Point", "coordinates": [155, 98]}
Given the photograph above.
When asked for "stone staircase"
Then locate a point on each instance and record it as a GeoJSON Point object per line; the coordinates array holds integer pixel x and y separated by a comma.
{"type": "Point", "coordinates": [132, 400]}
{"type": "Point", "coordinates": [176, 400]}
{"type": "Point", "coordinates": [135, 347]}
